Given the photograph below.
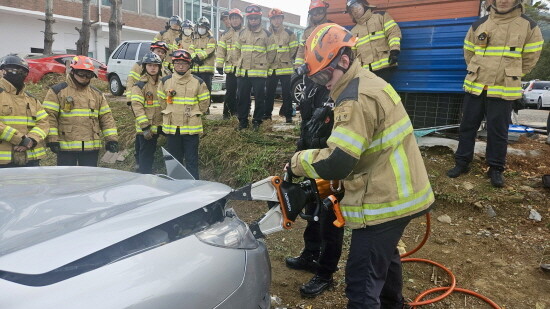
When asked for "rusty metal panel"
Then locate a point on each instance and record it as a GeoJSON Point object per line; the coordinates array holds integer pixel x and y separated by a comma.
{"type": "Point", "coordinates": [411, 10]}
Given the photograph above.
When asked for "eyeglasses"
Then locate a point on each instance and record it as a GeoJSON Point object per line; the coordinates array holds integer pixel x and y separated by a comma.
{"type": "Point", "coordinates": [318, 11]}
{"type": "Point", "coordinates": [253, 9]}
{"type": "Point", "coordinates": [84, 73]}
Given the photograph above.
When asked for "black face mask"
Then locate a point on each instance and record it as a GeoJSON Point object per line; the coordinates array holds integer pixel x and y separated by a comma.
{"type": "Point", "coordinates": [79, 83]}
{"type": "Point", "coordinates": [16, 79]}
{"type": "Point", "coordinates": [181, 73]}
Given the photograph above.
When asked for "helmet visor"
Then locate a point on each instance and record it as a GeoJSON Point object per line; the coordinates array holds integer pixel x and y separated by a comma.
{"type": "Point", "coordinates": [253, 9]}
{"type": "Point", "coordinates": [318, 11]}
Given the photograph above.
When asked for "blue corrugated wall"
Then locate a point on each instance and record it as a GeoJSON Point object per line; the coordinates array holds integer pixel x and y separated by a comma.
{"type": "Point", "coordinates": [432, 58]}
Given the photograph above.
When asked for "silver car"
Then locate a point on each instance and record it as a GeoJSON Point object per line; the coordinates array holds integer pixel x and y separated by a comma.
{"type": "Point", "coordinates": [83, 237]}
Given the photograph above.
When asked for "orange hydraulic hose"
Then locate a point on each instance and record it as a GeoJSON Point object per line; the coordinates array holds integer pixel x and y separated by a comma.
{"type": "Point", "coordinates": [448, 290]}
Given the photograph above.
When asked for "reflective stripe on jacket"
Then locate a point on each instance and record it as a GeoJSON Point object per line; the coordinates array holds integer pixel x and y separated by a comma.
{"type": "Point", "coordinates": [377, 33]}
{"type": "Point", "coordinates": [20, 115]}
{"type": "Point", "coordinates": [79, 117]}
{"type": "Point", "coordinates": [300, 54]}
{"type": "Point", "coordinates": [253, 52]}
{"type": "Point", "coordinates": [136, 72]}
{"type": "Point", "coordinates": [373, 148]}
{"type": "Point", "coordinates": [499, 49]}
{"type": "Point", "coordinates": [183, 99]}
{"type": "Point", "coordinates": [225, 52]}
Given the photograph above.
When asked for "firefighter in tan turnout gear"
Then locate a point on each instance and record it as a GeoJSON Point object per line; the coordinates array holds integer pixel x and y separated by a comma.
{"type": "Point", "coordinates": [371, 148]}
{"type": "Point", "coordinates": [378, 38]}
{"type": "Point", "coordinates": [254, 54]}
{"type": "Point", "coordinates": [285, 45]}
{"type": "Point", "coordinates": [226, 62]}
{"type": "Point", "coordinates": [188, 31]}
{"type": "Point", "coordinates": [161, 49]}
{"type": "Point", "coordinates": [23, 121]}
{"type": "Point", "coordinates": [184, 98]}
{"type": "Point", "coordinates": [146, 108]}
{"type": "Point", "coordinates": [80, 117]}
{"type": "Point", "coordinates": [172, 35]}
{"type": "Point", "coordinates": [499, 49]}
{"type": "Point", "coordinates": [203, 52]}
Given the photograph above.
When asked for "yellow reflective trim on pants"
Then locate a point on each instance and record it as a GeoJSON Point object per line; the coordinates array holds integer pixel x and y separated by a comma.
{"type": "Point", "coordinates": [401, 170]}
{"type": "Point", "coordinates": [348, 140]}
{"type": "Point", "coordinates": [391, 135]}
{"type": "Point", "coordinates": [372, 212]}
{"type": "Point", "coordinates": [306, 157]}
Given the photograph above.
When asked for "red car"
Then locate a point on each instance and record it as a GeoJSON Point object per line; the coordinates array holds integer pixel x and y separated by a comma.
{"type": "Point", "coordinates": [41, 65]}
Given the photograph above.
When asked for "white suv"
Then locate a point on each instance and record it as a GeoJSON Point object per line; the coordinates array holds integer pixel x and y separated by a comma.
{"type": "Point", "coordinates": [121, 61]}
{"type": "Point", "coordinates": [533, 93]}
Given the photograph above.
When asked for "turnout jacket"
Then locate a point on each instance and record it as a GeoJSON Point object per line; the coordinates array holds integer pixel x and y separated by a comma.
{"type": "Point", "coordinates": [20, 115]}
{"type": "Point", "coordinates": [285, 45]}
{"type": "Point", "coordinates": [171, 37]}
{"type": "Point", "coordinates": [300, 54]}
{"type": "Point", "coordinates": [499, 49]}
{"type": "Point", "coordinates": [183, 99]}
{"type": "Point", "coordinates": [145, 104]}
{"type": "Point", "coordinates": [80, 117]}
{"type": "Point", "coordinates": [373, 149]}
{"type": "Point", "coordinates": [225, 51]}
{"type": "Point", "coordinates": [377, 33]}
{"type": "Point", "coordinates": [203, 47]}
{"type": "Point", "coordinates": [254, 53]}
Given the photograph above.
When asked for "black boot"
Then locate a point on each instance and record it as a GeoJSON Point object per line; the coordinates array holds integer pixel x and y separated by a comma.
{"type": "Point", "coordinates": [317, 285]}
{"type": "Point", "coordinates": [303, 262]}
{"type": "Point", "coordinates": [458, 170]}
{"type": "Point", "coordinates": [496, 177]}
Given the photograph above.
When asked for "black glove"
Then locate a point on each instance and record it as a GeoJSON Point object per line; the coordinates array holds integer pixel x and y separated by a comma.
{"type": "Point", "coordinates": [220, 71]}
{"type": "Point", "coordinates": [111, 146]}
{"type": "Point", "coordinates": [394, 54]}
{"type": "Point", "coordinates": [198, 60]}
{"type": "Point", "coordinates": [27, 142]}
{"type": "Point", "coordinates": [54, 147]}
{"type": "Point", "coordinates": [160, 132]}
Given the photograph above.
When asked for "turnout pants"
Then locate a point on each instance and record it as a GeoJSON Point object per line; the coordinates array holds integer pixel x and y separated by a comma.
{"type": "Point", "coordinates": [312, 101]}
{"type": "Point", "coordinates": [78, 158]}
{"type": "Point", "coordinates": [271, 87]}
{"type": "Point", "coordinates": [30, 163]}
{"type": "Point", "coordinates": [207, 78]}
{"type": "Point", "coordinates": [185, 146]}
{"type": "Point", "coordinates": [373, 270]}
{"type": "Point", "coordinates": [245, 85]}
{"type": "Point", "coordinates": [230, 99]}
{"type": "Point", "coordinates": [146, 153]}
{"type": "Point", "coordinates": [324, 240]}
{"type": "Point", "coordinates": [497, 112]}
{"type": "Point", "coordinates": [385, 73]}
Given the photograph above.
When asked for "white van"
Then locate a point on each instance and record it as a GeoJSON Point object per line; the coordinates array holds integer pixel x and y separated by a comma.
{"type": "Point", "coordinates": [121, 61]}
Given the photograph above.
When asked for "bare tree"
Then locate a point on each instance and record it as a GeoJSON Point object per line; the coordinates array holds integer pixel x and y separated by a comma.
{"type": "Point", "coordinates": [48, 30]}
{"type": "Point", "coordinates": [115, 24]}
{"type": "Point", "coordinates": [83, 43]}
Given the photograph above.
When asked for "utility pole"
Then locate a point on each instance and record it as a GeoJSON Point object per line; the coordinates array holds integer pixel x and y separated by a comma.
{"type": "Point", "coordinates": [83, 43]}
{"type": "Point", "coordinates": [48, 30]}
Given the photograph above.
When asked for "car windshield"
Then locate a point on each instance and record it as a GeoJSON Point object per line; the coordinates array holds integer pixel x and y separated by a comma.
{"type": "Point", "coordinates": [541, 85]}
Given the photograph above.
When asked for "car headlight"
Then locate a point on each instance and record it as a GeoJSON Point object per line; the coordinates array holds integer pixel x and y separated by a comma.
{"type": "Point", "coordinates": [230, 233]}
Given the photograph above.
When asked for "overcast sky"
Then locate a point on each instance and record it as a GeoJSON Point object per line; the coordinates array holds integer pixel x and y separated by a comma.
{"type": "Point", "coordinates": [298, 7]}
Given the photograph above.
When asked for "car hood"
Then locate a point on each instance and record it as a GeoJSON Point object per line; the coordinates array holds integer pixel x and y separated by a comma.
{"type": "Point", "coordinates": [51, 216]}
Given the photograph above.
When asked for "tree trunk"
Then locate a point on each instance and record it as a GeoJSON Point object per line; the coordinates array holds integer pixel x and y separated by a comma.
{"type": "Point", "coordinates": [115, 25]}
{"type": "Point", "coordinates": [48, 31]}
{"type": "Point", "coordinates": [83, 43]}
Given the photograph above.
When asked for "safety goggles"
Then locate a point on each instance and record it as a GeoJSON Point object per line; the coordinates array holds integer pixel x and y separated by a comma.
{"type": "Point", "coordinates": [253, 9]}
{"type": "Point", "coordinates": [253, 17]}
{"type": "Point", "coordinates": [325, 75]}
{"type": "Point", "coordinates": [18, 71]}
{"type": "Point", "coordinates": [181, 55]}
{"type": "Point", "coordinates": [84, 73]}
{"type": "Point", "coordinates": [318, 11]}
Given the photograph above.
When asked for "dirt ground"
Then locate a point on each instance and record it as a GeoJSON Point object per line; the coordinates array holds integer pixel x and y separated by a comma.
{"type": "Point", "coordinates": [491, 245]}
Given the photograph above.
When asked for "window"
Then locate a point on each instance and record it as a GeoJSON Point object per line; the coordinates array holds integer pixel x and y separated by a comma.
{"type": "Point", "coordinates": [119, 53]}
{"type": "Point", "coordinates": [540, 85]}
{"type": "Point", "coordinates": [131, 51]}
{"type": "Point", "coordinates": [105, 2]}
{"type": "Point", "coordinates": [130, 5]}
{"type": "Point", "coordinates": [149, 7]}
{"type": "Point", "coordinates": [166, 8]}
{"type": "Point", "coordinates": [143, 50]}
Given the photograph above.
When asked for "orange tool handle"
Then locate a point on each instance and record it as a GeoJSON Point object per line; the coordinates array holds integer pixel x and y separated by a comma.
{"type": "Point", "coordinates": [340, 221]}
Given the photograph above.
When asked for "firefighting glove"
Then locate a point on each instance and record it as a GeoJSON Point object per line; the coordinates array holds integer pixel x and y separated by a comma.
{"type": "Point", "coordinates": [111, 146]}
{"type": "Point", "coordinates": [220, 71]}
{"type": "Point", "coordinates": [198, 60]}
{"type": "Point", "coordinates": [394, 54]}
{"type": "Point", "coordinates": [54, 147]}
{"type": "Point", "coordinates": [27, 142]}
{"type": "Point", "coordinates": [147, 133]}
